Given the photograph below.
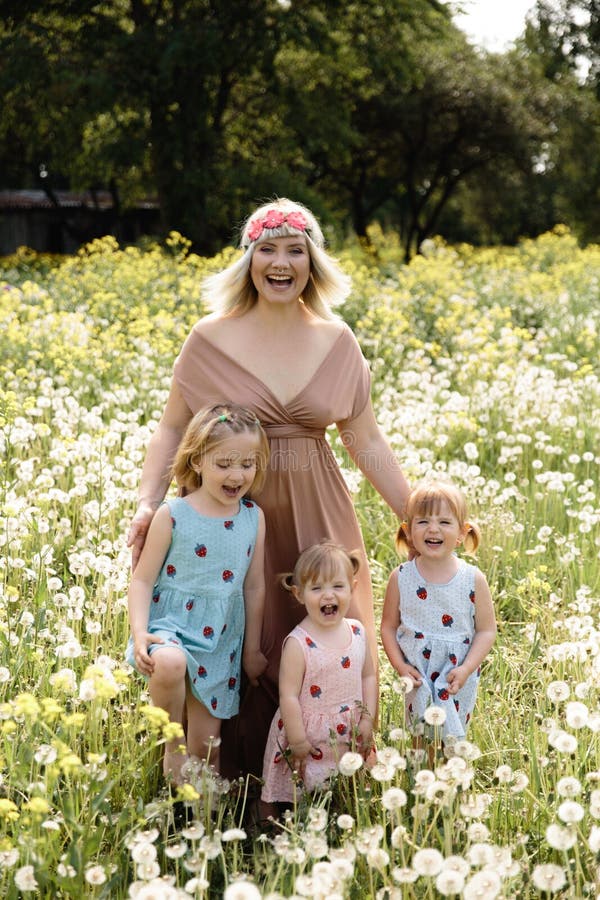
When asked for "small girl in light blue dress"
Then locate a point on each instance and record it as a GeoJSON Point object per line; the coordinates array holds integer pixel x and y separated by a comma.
{"type": "Point", "coordinates": [438, 621]}
{"type": "Point", "coordinates": [196, 595]}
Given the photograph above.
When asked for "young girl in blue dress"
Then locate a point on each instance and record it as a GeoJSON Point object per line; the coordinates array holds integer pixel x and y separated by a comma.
{"type": "Point", "coordinates": [196, 595]}
{"type": "Point", "coordinates": [438, 621]}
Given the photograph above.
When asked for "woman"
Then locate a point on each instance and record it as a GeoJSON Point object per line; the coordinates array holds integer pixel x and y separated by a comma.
{"type": "Point", "coordinates": [273, 345]}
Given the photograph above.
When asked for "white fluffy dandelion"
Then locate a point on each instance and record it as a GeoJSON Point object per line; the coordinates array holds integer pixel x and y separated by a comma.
{"type": "Point", "coordinates": [569, 786]}
{"type": "Point", "coordinates": [576, 714]}
{"type": "Point", "coordinates": [449, 882]}
{"type": "Point", "coordinates": [428, 861]}
{"type": "Point", "coordinates": [242, 890]}
{"type": "Point", "coordinates": [25, 879]}
{"type": "Point", "coordinates": [435, 715]}
{"type": "Point", "coordinates": [560, 838]}
{"type": "Point", "coordinates": [570, 812]}
{"type": "Point", "coordinates": [549, 877]}
{"type": "Point", "coordinates": [95, 875]}
{"type": "Point", "coordinates": [394, 798]}
{"type": "Point", "coordinates": [558, 691]}
{"type": "Point", "coordinates": [483, 885]}
{"type": "Point", "coordinates": [350, 763]}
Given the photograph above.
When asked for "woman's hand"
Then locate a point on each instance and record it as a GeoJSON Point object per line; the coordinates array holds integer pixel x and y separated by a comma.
{"type": "Point", "coordinates": [136, 536]}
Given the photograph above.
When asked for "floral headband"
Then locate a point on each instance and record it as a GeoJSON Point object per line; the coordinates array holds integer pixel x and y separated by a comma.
{"type": "Point", "coordinates": [274, 218]}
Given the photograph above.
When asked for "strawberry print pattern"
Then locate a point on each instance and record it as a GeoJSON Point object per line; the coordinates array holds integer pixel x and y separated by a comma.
{"type": "Point", "coordinates": [435, 634]}
{"type": "Point", "coordinates": [331, 703]}
{"type": "Point", "coordinates": [201, 608]}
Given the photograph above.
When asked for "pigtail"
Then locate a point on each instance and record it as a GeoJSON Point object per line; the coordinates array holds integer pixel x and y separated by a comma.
{"type": "Point", "coordinates": [355, 558]}
{"type": "Point", "coordinates": [403, 544]}
{"type": "Point", "coordinates": [287, 581]}
{"type": "Point", "coordinates": [472, 537]}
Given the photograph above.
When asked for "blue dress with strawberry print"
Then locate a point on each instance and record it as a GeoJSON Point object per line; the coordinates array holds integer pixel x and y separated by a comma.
{"type": "Point", "coordinates": [437, 625]}
{"type": "Point", "coordinates": [198, 601]}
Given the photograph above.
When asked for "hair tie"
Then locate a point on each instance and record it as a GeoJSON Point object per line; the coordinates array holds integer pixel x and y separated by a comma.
{"type": "Point", "coordinates": [223, 418]}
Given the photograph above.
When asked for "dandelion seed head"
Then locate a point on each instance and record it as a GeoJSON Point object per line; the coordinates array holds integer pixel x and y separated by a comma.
{"type": "Point", "coordinates": [570, 811]}
{"type": "Point", "coordinates": [435, 715]}
{"type": "Point", "coordinates": [394, 798]}
{"type": "Point", "coordinates": [427, 861]}
{"type": "Point", "coordinates": [558, 691]}
{"type": "Point", "coordinates": [350, 763]}
{"type": "Point", "coordinates": [560, 838]}
{"type": "Point", "coordinates": [549, 877]}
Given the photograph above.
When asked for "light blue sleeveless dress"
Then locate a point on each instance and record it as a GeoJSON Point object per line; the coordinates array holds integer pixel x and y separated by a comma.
{"type": "Point", "coordinates": [437, 625]}
{"type": "Point", "coordinates": [198, 601]}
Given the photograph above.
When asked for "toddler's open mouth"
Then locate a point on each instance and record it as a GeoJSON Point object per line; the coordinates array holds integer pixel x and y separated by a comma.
{"type": "Point", "coordinates": [329, 609]}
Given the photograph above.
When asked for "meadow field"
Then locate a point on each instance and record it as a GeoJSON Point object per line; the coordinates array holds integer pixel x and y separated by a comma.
{"type": "Point", "coordinates": [486, 369]}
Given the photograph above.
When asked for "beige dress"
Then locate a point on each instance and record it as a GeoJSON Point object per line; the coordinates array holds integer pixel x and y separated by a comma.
{"type": "Point", "coordinates": [304, 500]}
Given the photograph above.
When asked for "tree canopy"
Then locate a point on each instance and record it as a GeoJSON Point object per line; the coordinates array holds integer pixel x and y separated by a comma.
{"type": "Point", "coordinates": [377, 110]}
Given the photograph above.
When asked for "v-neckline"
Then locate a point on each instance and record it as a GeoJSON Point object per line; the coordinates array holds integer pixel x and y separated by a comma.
{"type": "Point", "coordinates": [244, 368]}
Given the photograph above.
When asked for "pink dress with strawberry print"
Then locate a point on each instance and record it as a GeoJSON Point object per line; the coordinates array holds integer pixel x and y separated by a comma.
{"type": "Point", "coordinates": [437, 625]}
{"type": "Point", "coordinates": [331, 703]}
{"type": "Point", "coordinates": [198, 601]}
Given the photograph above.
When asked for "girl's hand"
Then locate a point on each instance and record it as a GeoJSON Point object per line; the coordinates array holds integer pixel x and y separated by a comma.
{"type": "Point", "coordinates": [409, 671]}
{"type": "Point", "coordinates": [456, 679]}
{"type": "Point", "coordinates": [136, 536]}
{"type": "Point", "coordinates": [300, 752]}
{"type": "Point", "coordinates": [143, 660]}
{"type": "Point", "coordinates": [365, 736]}
{"type": "Point", "coordinates": [255, 662]}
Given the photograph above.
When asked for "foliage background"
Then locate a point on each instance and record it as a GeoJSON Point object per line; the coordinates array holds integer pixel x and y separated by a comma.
{"type": "Point", "coordinates": [371, 112]}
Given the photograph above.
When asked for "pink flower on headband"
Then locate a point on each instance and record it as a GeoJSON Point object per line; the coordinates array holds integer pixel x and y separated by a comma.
{"type": "Point", "coordinates": [274, 218]}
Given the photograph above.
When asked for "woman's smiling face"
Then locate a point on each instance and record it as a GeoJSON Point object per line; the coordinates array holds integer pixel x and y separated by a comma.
{"type": "Point", "coordinates": [280, 268]}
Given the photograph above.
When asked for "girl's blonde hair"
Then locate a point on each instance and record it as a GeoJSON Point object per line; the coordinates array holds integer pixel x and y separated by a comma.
{"type": "Point", "coordinates": [321, 561]}
{"type": "Point", "coordinates": [424, 500]}
{"type": "Point", "coordinates": [232, 290]}
{"type": "Point", "coordinates": [208, 428]}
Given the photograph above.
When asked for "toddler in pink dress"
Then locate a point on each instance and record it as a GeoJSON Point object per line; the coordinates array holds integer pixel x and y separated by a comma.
{"type": "Point", "coordinates": [327, 680]}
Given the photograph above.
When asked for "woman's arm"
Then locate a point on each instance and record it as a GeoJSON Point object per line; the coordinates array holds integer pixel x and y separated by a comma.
{"type": "Point", "coordinates": [485, 635]}
{"type": "Point", "coordinates": [154, 480]}
{"type": "Point", "coordinates": [255, 662]}
{"type": "Point", "coordinates": [141, 584]}
{"type": "Point", "coordinates": [390, 620]}
{"type": "Point", "coordinates": [368, 448]}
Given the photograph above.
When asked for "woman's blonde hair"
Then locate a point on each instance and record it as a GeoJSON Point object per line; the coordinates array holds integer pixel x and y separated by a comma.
{"type": "Point", "coordinates": [321, 561]}
{"type": "Point", "coordinates": [210, 427]}
{"type": "Point", "coordinates": [424, 500]}
{"type": "Point", "coordinates": [232, 290]}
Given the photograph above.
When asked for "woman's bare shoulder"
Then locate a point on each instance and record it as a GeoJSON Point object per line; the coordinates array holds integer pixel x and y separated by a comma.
{"type": "Point", "coordinates": [210, 324]}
